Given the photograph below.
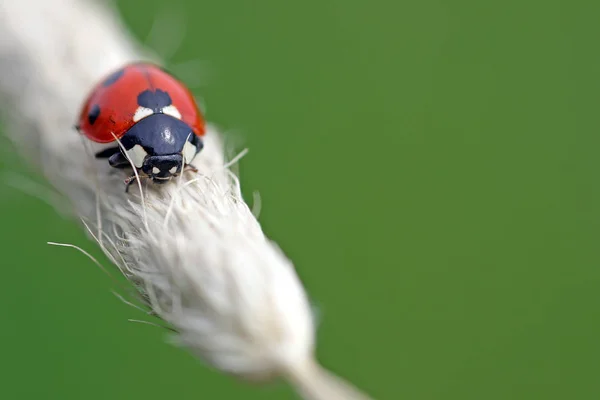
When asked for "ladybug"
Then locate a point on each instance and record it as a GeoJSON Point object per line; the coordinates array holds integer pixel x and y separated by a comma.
{"type": "Point", "coordinates": [152, 115]}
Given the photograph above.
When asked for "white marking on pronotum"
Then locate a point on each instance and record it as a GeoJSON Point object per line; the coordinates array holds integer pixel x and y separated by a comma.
{"type": "Point", "coordinates": [155, 170]}
{"type": "Point", "coordinates": [142, 112]}
{"type": "Point", "coordinates": [172, 111]}
{"type": "Point", "coordinates": [137, 154]}
{"type": "Point", "coordinates": [173, 170]}
{"type": "Point", "coordinates": [189, 152]}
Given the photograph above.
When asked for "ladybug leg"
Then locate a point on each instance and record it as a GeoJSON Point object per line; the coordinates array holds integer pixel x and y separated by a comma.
{"type": "Point", "coordinates": [132, 179]}
{"type": "Point", "coordinates": [190, 167]}
{"type": "Point", "coordinates": [128, 182]}
{"type": "Point", "coordinates": [118, 160]}
{"type": "Point", "coordinates": [107, 153]}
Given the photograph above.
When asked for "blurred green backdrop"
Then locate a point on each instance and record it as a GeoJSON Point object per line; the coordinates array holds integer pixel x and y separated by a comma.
{"type": "Point", "coordinates": [430, 166]}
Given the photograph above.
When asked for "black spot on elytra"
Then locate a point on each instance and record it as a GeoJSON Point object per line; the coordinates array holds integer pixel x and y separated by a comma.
{"type": "Point", "coordinates": [93, 114]}
{"type": "Point", "coordinates": [113, 77]}
{"type": "Point", "coordinates": [154, 100]}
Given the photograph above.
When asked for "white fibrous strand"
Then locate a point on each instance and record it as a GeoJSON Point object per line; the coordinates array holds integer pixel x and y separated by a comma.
{"type": "Point", "coordinates": [192, 248]}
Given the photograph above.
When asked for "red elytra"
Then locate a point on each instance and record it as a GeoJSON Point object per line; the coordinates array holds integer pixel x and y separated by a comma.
{"type": "Point", "coordinates": [110, 108]}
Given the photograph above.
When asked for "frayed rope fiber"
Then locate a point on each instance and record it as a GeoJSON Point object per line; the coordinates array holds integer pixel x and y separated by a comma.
{"type": "Point", "coordinates": [192, 247]}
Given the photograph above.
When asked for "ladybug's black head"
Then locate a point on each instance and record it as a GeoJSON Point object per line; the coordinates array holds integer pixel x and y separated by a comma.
{"type": "Point", "coordinates": [162, 168]}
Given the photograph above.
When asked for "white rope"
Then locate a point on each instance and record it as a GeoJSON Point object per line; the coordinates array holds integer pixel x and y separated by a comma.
{"type": "Point", "coordinates": [207, 270]}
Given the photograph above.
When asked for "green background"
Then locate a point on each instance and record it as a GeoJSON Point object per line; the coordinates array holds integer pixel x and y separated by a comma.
{"type": "Point", "coordinates": [430, 166]}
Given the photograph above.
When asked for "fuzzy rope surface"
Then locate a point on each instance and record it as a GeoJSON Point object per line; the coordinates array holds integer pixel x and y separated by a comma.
{"type": "Point", "coordinates": [192, 247]}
